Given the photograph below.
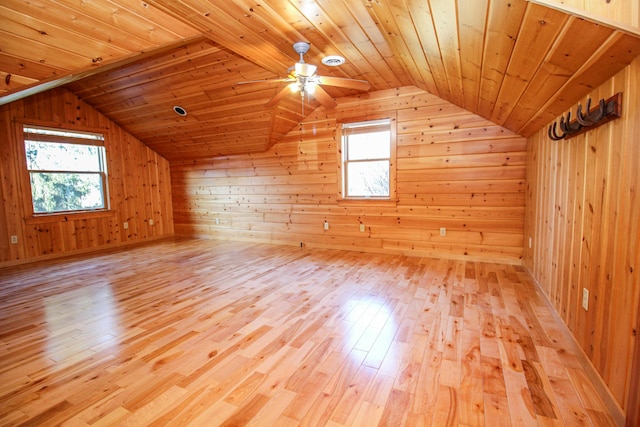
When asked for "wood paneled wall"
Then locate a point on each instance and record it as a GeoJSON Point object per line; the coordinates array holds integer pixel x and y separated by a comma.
{"type": "Point", "coordinates": [582, 215]}
{"type": "Point", "coordinates": [625, 12]}
{"type": "Point", "coordinates": [454, 170]}
{"type": "Point", "coordinates": [139, 186]}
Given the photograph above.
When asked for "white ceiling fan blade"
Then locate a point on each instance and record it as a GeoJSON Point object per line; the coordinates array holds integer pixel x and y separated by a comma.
{"type": "Point", "coordinates": [345, 83]}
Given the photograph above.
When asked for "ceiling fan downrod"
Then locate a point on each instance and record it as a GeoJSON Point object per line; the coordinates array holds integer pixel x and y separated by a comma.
{"type": "Point", "coordinates": [301, 48]}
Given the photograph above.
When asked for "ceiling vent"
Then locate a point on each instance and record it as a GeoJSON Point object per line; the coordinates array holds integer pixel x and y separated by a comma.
{"type": "Point", "coordinates": [333, 60]}
{"type": "Point", "coordinates": [180, 111]}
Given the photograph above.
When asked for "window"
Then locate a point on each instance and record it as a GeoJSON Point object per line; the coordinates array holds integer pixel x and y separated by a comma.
{"type": "Point", "coordinates": [367, 159]}
{"type": "Point", "coordinates": [67, 170]}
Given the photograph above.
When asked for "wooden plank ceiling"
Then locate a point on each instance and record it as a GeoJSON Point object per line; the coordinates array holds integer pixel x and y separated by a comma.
{"type": "Point", "coordinates": [515, 62]}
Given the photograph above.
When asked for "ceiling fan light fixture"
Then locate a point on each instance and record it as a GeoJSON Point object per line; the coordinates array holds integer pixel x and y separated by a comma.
{"type": "Point", "coordinates": [302, 78]}
{"type": "Point", "coordinates": [333, 60]}
{"type": "Point", "coordinates": [310, 87]}
{"type": "Point", "coordinates": [305, 70]}
{"type": "Point", "coordinates": [303, 85]}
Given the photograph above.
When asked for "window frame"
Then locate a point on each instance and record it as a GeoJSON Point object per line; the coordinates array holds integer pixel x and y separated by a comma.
{"type": "Point", "coordinates": [30, 214]}
{"type": "Point", "coordinates": [342, 161]}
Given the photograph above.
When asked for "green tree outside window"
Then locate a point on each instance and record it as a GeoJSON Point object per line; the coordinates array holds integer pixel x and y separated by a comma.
{"type": "Point", "coordinates": [65, 176]}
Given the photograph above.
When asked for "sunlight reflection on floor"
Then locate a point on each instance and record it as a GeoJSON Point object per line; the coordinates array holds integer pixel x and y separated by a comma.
{"type": "Point", "coordinates": [81, 320]}
{"type": "Point", "coordinates": [371, 327]}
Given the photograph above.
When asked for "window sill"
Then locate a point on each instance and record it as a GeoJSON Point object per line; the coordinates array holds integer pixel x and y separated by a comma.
{"type": "Point", "coordinates": [68, 216]}
{"type": "Point", "coordinates": [366, 201]}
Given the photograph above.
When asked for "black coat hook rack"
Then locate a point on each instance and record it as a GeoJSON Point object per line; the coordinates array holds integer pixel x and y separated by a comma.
{"type": "Point", "coordinates": [591, 118]}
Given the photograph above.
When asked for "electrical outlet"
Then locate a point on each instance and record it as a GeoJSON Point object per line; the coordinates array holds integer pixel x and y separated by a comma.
{"type": "Point", "coordinates": [125, 225]}
{"type": "Point", "coordinates": [14, 240]}
{"type": "Point", "coordinates": [150, 222]}
{"type": "Point", "coordinates": [585, 299]}
{"type": "Point", "coordinates": [217, 221]}
{"type": "Point", "coordinates": [443, 231]}
{"type": "Point", "coordinates": [362, 228]}
{"type": "Point", "coordinates": [326, 225]}
{"type": "Point", "coordinates": [530, 242]}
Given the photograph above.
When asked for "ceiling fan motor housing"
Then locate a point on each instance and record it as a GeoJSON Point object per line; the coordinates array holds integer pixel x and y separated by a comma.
{"type": "Point", "coordinates": [301, 48]}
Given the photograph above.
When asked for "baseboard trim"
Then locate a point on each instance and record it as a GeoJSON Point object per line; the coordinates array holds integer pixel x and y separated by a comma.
{"type": "Point", "coordinates": [382, 250]}
{"type": "Point", "coordinates": [603, 391]}
{"type": "Point", "coordinates": [60, 255]}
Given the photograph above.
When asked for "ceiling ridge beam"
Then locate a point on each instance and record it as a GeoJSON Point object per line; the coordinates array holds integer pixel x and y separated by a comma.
{"type": "Point", "coordinates": [91, 70]}
{"type": "Point", "coordinates": [223, 28]}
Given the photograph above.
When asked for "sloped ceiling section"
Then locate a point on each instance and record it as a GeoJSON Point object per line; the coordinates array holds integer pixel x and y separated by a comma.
{"type": "Point", "coordinates": [515, 62]}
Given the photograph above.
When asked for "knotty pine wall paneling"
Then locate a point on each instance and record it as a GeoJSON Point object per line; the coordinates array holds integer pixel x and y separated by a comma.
{"type": "Point", "coordinates": [623, 12]}
{"type": "Point", "coordinates": [454, 170]}
{"type": "Point", "coordinates": [139, 186]}
{"type": "Point", "coordinates": [582, 215]}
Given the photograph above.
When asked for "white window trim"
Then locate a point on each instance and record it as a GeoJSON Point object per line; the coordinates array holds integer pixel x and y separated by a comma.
{"type": "Point", "coordinates": [39, 132]}
{"type": "Point", "coordinates": [342, 197]}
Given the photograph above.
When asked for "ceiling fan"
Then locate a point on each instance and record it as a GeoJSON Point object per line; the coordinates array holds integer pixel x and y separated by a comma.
{"type": "Point", "coordinates": [304, 80]}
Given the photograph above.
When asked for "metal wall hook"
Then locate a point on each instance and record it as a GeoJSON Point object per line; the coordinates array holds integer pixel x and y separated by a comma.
{"type": "Point", "coordinates": [582, 119]}
{"type": "Point", "coordinates": [564, 125]}
{"type": "Point", "coordinates": [600, 112]}
{"type": "Point", "coordinates": [568, 127]}
{"type": "Point", "coordinates": [606, 111]}
{"type": "Point", "coordinates": [552, 132]}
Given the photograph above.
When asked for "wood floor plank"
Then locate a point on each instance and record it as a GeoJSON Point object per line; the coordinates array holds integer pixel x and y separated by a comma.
{"type": "Point", "coordinates": [471, 405]}
{"type": "Point", "coordinates": [446, 409]}
{"type": "Point", "coordinates": [495, 408]}
{"type": "Point", "coordinates": [192, 332]}
{"type": "Point", "coordinates": [395, 411]}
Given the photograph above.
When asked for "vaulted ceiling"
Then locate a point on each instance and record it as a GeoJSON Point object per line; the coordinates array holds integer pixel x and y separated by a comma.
{"type": "Point", "coordinates": [518, 63]}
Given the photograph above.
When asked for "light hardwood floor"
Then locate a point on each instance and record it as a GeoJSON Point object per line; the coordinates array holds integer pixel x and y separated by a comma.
{"type": "Point", "coordinates": [198, 332]}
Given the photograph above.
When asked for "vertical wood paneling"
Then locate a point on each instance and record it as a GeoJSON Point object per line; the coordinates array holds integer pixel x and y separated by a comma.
{"type": "Point", "coordinates": [454, 170]}
{"type": "Point", "coordinates": [629, 249]}
{"type": "Point", "coordinates": [471, 26]}
{"type": "Point", "coordinates": [139, 185]}
{"type": "Point", "coordinates": [11, 188]}
{"type": "Point", "coordinates": [582, 214]}
{"type": "Point", "coordinates": [4, 229]}
{"type": "Point", "coordinates": [623, 11]}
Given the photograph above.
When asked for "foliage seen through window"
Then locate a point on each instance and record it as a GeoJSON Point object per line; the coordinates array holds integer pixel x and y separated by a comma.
{"type": "Point", "coordinates": [67, 170]}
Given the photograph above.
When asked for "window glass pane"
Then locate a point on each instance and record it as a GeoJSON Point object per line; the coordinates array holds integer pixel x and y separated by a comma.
{"type": "Point", "coordinates": [63, 157]}
{"type": "Point", "coordinates": [60, 192]}
{"type": "Point", "coordinates": [368, 179]}
{"type": "Point", "coordinates": [369, 146]}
